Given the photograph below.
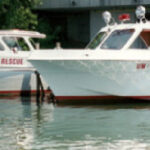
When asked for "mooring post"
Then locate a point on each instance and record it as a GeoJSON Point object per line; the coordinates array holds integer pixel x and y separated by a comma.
{"type": "Point", "coordinates": [40, 94]}
{"type": "Point", "coordinates": [52, 98]}
{"type": "Point", "coordinates": [39, 89]}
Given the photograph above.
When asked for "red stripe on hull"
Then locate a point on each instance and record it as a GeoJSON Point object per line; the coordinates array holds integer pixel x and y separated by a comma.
{"type": "Point", "coordinates": [141, 97]}
{"type": "Point", "coordinates": [21, 93]}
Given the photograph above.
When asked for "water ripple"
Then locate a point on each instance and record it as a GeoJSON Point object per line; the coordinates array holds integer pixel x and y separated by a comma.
{"type": "Point", "coordinates": [48, 127]}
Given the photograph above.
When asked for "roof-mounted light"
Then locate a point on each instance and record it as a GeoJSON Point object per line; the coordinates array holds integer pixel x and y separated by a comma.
{"type": "Point", "coordinates": [124, 17]}
{"type": "Point", "coordinates": [107, 17]}
{"type": "Point", "coordinates": [140, 12]}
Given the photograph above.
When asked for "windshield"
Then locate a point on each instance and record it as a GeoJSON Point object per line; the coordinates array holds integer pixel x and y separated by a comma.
{"type": "Point", "coordinates": [33, 42]}
{"type": "Point", "coordinates": [37, 43]}
{"type": "Point", "coordinates": [16, 42]}
{"type": "Point", "coordinates": [97, 40]}
{"type": "Point", "coordinates": [117, 39]}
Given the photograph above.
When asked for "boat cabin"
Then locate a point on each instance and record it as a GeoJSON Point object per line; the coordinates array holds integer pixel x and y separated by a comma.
{"type": "Point", "coordinates": [123, 36]}
{"type": "Point", "coordinates": [19, 40]}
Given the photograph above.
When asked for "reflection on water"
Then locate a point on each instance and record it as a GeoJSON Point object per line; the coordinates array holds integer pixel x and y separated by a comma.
{"type": "Point", "coordinates": [26, 126]}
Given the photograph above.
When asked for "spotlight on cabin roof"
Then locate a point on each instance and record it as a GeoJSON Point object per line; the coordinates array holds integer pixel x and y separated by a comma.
{"type": "Point", "coordinates": [140, 12]}
{"type": "Point", "coordinates": [107, 17]}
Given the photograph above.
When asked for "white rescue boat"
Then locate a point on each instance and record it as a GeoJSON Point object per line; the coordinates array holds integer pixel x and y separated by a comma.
{"type": "Point", "coordinates": [116, 63]}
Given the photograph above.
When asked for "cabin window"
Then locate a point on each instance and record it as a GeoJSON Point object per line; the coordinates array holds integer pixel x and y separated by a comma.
{"type": "Point", "coordinates": [1, 47]}
{"type": "Point", "coordinates": [97, 40]}
{"type": "Point", "coordinates": [117, 39]}
{"type": "Point", "coordinates": [138, 44]}
{"type": "Point", "coordinates": [142, 41]}
{"type": "Point", "coordinates": [23, 45]}
{"type": "Point", "coordinates": [16, 42]}
{"type": "Point", "coordinates": [35, 43]}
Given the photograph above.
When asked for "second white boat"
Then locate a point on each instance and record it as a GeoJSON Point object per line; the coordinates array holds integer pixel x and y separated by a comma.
{"type": "Point", "coordinates": [17, 75]}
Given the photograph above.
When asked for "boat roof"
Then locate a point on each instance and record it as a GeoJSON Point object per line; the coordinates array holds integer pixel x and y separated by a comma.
{"type": "Point", "coordinates": [22, 33]}
{"type": "Point", "coordinates": [138, 25]}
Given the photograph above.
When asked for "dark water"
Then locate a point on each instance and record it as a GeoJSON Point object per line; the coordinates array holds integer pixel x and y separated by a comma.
{"type": "Point", "coordinates": [24, 126]}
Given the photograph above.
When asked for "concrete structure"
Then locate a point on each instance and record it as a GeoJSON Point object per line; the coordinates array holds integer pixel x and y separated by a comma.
{"type": "Point", "coordinates": [90, 4]}
{"type": "Point", "coordinates": [81, 19]}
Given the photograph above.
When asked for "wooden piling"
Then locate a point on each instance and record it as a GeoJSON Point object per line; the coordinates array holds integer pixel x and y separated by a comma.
{"type": "Point", "coordinates": [39, 89]}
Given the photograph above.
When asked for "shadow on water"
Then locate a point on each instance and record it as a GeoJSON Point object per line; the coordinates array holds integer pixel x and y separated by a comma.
{"type": "Point", "coordinates": [28, 98]}
{"type": "Point", "coordinates": [126, 103]}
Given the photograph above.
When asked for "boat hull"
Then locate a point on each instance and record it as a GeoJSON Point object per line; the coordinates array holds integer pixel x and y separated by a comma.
{"type": "Point", "coordinates": [17, 75]}
{"type": "Point", "coordinates": [96, 79]}
{"type": "Point", "coordinates": [19, 82]}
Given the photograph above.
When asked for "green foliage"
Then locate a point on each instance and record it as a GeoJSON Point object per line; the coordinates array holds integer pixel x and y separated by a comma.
{"type": "Point", "coordinates": [52, 33]}
{"type": "Point", "coordinates": [18, 14]}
